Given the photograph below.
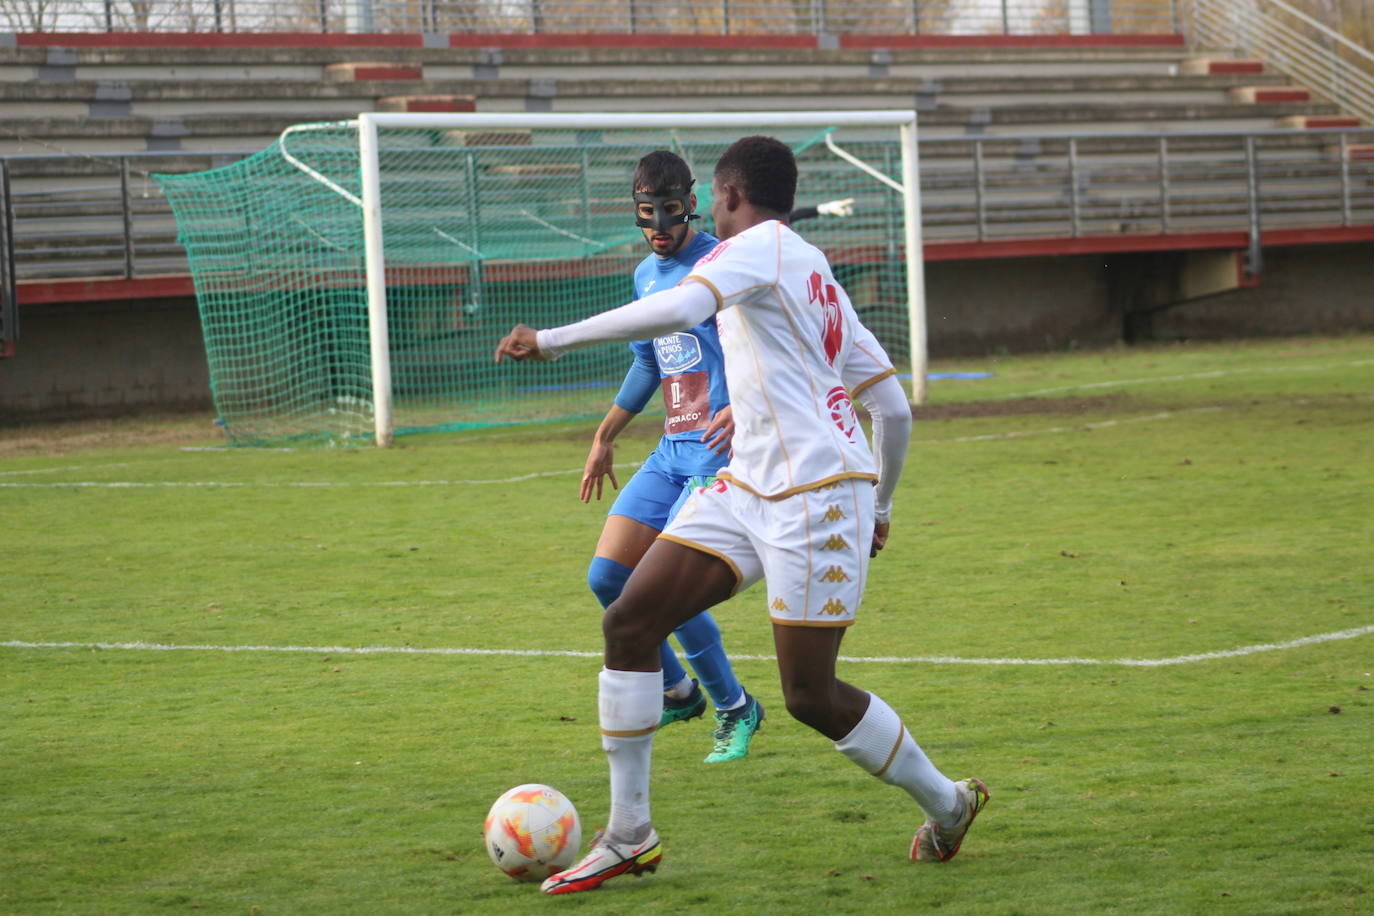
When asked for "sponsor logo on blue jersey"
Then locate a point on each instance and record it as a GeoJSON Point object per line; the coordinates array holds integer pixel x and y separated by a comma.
{"type": "Point", "coordinates": [677, 352]}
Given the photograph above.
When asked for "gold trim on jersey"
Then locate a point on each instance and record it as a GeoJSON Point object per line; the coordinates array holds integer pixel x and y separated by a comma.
{"type": "Point", "coordinates": [862, 386]}
{"type": "Point", "coordinates": [720, 300]}
{"type": "Point", "coordinates": [739, 576]}
{"type": "Point", "coordinates": [793, 491]}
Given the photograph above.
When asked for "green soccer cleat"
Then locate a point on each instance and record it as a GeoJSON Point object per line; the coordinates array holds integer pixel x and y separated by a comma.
{"type": "Point", "coordinates": [735, 728]}
{"type": "Point", "coordinates": [934, 843]}
{"type": "Point", "coordinates": [675, 710]}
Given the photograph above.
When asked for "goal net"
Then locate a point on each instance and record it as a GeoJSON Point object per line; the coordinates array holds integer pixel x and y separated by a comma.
{"type": "Point", "coordinates": [354, 278]}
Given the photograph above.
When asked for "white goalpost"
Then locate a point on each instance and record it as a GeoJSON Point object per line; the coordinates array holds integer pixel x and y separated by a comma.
{"type": "Point", "coordinates": [374, 138]}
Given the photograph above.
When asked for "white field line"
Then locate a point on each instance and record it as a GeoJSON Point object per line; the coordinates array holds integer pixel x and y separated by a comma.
{"type": "Point", "coordinates": [543, 653]}
{"type": "Point", "coordinates": [1217, 373]}
{"type": "Point", "coordinates": [163, 484]}
{"type": "Point", "coordinates": [136, 485]}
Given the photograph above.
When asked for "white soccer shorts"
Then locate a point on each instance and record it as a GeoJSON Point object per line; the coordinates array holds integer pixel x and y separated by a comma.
{"type": "Point", "coordinates": [811, 547]}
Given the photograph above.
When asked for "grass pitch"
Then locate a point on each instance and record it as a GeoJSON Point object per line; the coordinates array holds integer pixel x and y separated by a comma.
{"type": "Point", "coordinates": [1131, 589]}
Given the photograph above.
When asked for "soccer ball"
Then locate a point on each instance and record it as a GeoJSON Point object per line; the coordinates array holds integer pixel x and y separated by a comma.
{"type": "Point", "coordinates": [532, 831]}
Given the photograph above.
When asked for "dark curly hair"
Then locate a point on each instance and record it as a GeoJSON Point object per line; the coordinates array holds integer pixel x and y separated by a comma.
{"type": "Point", "coordinates": [661, 171]}
{"type": "Point", "coordinates": [764, 168]}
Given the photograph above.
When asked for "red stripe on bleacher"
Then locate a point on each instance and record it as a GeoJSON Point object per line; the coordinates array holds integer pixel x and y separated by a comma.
{"type": "Point", "coordinates": [213, 40]}
{"type": "Point", "coordinates": [618, 40]}
{"type": "Point", "coordinates": [1012, 41]}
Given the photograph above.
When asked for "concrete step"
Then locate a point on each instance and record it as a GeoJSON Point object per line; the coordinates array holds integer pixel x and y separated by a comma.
{"type": "Point", "coordinates": [956, 90]}
{"type": "Point", "coordinates": [373, 71]}
{"type": "Point", "coordinates": [1318, 122]}
{"type": "Point", "coordinates": [1269, 95]}
{"type": "Point", "coordinates": [1218, 66]}
{"type": "Point", "coordinates": [1355, 152]}
{"type": "Point", "coordinates": [427, 103]}
{"type": "Point", "coordinates": [266, 63]}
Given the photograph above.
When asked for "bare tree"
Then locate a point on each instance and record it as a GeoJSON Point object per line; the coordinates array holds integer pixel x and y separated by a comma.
{"type": "Point", "coordinates": [30, 15]}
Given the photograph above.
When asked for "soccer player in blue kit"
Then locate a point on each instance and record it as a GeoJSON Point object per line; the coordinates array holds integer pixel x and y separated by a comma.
{"type": "Point", "coordinates": [687, 367]}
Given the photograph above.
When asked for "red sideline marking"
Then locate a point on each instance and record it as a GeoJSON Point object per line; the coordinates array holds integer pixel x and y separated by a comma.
{"type": "Point", "coordinates": [1011, 41]}
{"type": "Point", "coordinates": [6, 349]}
{"type": "Point", "coordinates": [211, 40]}
{"type": "Point", "coordinates": [619, 40]}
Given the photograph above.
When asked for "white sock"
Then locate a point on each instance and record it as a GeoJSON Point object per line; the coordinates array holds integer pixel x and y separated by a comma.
{"type": "Point", "coordinates": [681, 690]}
{"type": "Point", "coordinates": [884, 748]}
{"type": "Point", "coordinates": [630, 705]}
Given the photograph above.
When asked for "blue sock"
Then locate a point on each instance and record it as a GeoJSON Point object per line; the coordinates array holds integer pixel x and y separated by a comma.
{"type": "Point", "coordinates": [607, 579]}
{"type": "Point", "coordinates": [700, 639]}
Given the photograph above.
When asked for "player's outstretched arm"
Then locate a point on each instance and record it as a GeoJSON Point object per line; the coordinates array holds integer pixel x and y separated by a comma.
{"type": "Point", "coordinates": [660, 313]}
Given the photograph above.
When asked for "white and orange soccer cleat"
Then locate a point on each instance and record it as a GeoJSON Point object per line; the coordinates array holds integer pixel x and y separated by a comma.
{"type": "Point", "coordinates": [605, 861]}
{"type": "Point", "coordinates": [934, 843]}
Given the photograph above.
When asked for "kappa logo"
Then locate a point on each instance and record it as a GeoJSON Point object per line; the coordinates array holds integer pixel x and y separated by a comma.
{"type": "Point", "coordinates": [780, 606]}
{"type": "Point", "coordinates": [834, 607]}
{"type": "Point", "coordinates": [833, 514]}
{"type": "Point", "coordinates": [835, 542]}
{"type": "Point", "coordinates": [834, 574]}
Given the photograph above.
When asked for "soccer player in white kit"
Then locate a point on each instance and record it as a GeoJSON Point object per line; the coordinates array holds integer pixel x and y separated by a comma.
{"type": "Point", "coordinates": [803, 503]}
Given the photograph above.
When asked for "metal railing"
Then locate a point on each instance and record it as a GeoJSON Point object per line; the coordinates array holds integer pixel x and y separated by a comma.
{"type": "Point", "coordinates": [108, 219]}
{"type": "Point", "coordinates": [1291, 41]}
{"type": "Point", "coordinates": [715, 17]}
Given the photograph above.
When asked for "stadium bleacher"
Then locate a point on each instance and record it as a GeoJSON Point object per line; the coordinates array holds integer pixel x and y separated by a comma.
{"type": "Point", "coordinates": [1034, 147]}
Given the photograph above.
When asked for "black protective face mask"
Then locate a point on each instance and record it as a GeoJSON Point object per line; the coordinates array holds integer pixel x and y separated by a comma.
{"type": "Point", "coordinates": [661, 221]}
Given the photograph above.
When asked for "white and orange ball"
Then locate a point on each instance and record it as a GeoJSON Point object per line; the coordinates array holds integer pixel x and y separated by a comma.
{"type": "Point", "coordinates": [532, 831]}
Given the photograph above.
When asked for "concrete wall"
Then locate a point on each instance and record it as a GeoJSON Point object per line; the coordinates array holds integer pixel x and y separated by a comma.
{"type": "Point", "coordinates": [129, 356]}
{"type": "Point", "coordinates": [105, 358]}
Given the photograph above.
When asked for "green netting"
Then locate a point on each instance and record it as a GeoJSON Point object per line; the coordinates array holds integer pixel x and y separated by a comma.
{"type": "Point", "coordinates": [481, 230]}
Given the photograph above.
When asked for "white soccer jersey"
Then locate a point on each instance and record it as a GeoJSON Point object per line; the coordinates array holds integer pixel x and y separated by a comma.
{"type": "Point", "coordinates": [795, 352]}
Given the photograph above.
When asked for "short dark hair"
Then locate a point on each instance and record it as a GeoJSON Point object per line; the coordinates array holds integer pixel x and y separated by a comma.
{"type": "Point", "coordinates": [764, 169]}
{"type": "Point", "coordinates": [660, 171]}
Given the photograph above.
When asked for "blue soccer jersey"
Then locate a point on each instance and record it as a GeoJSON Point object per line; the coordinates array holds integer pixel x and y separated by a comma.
{"type": "Point", "coordinates": [687, 366]}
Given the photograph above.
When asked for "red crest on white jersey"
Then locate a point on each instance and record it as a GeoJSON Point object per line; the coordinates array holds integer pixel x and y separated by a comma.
{"type": "Point", "coordinates": [842, 411]}
{"type": "Point", "coordinates": [828, 298]}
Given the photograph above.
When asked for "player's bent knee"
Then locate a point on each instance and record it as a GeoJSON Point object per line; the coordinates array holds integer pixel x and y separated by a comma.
{"type": "Point", "coordinates": [810, 707]}
{"type": "Point", "coordinates": [607, 578]}
{"type": "Point", "coordinates": [629, 630]}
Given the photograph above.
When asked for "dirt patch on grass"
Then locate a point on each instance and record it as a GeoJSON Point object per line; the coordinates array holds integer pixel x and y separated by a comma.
{"type": "Point", "coordinates": [60, 437]}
